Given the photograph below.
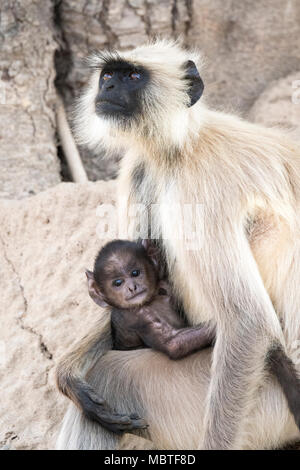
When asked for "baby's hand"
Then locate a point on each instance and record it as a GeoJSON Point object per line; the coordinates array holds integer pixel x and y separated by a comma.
{"type": "Point", "coordinates": [164, 288]}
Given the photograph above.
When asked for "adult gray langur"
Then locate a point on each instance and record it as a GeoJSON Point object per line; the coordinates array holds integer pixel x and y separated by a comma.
{"type": "Point", "coordinates": [242, 274]}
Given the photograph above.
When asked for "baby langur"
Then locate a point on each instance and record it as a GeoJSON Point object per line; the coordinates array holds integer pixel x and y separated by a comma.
{"type": "Point", "coordinates": [127, 277]}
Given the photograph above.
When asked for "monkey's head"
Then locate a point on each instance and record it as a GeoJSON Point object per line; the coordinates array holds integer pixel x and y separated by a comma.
{"type": "Point", "coordinates": [125, 274]}
{"type": "Point", "coordinates": [148, 93]}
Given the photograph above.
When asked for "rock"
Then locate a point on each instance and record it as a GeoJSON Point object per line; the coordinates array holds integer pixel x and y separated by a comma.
{"type": "Point", "coordinates": [279, 105]}
{"type": "Point", "coordinates": [247, 45]}
{"type": "Point", "coordinates": [46, 242]}
{"type": "Point", "coordinates": [28, 156]}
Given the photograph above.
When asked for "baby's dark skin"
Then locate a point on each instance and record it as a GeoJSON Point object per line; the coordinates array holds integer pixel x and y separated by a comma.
{"type": "Point", "coordinates": [126, 277]}
{"type": "Point", "coordinates": [157, 325]}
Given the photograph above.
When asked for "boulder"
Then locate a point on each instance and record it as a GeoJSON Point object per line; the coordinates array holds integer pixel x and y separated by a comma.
{"type": "Point", "coordinates": [279, 105]}
{"type": "Point", "coordinates": [46, 242]}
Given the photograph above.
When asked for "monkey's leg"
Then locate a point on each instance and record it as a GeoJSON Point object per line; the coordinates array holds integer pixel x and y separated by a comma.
{"type": "Point", "coordinates": [283, 368]}
{"type": "Point", "coordinates": [71, 381]}
{"type": "Point", "coordinates": [286, 367]}
{"type": "Point", "coordinates": [171, 395]}
{"type": "Point", "coordinates": [149, 384]}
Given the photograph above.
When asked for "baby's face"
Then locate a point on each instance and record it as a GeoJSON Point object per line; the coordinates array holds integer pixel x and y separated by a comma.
{"type": "Point", "coordinates": [130, 281]}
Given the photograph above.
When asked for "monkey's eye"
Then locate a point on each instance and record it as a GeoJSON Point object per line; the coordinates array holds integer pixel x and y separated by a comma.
{"type": "Point", "coordinates": [135, 273]}
{"type": "Point", "coordinates": [117, 282]}
{"type": "Point", "coordinates": [107, 75]}
{"type": "Point", "coordinates": [134, 76]}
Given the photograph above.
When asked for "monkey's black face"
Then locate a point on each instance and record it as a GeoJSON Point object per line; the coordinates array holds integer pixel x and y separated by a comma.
{"type": "Point", "coordinates": [120, 88]}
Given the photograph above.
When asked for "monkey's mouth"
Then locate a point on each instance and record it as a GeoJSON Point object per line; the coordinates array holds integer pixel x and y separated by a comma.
{"type": "Point", "coordinates": [136, 296]}
{"type": "Point", "coordinates": [110, 104]}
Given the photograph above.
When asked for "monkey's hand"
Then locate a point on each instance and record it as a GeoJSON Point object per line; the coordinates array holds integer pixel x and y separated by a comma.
{"type": "Point", "coordinates": [165, 287]}
{"type": "Point", "coordinates": [96, 409]}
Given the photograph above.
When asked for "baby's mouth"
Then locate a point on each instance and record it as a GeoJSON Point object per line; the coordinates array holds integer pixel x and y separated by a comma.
{"type": "Point", "coordinates": [137, 295]}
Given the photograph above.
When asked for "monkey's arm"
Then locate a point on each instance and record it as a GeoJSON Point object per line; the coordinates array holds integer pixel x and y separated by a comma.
{"type": "Point", "coordinates": [247, 327]}
{"type": "Point", "coordinates": [70, 376]}
{"type": "Point", "coordinates": [284, 370]}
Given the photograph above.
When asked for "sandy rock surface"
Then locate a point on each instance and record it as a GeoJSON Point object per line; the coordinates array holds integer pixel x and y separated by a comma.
{"type": "Point", "coordinates": [46, 242]}
{"type": "Point", "coordinates": [279, 105]}
{"type": "Point", "coordinates": [248, 44]}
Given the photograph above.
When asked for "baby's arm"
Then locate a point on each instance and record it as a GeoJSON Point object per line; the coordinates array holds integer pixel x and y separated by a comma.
{"type": "Point", "coordinates": [188, 340]}
{"type": "Point", "coordinates": [158, 334]}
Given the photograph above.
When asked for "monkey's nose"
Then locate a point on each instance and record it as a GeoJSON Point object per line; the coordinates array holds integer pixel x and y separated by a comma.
{"type": "Point", "coordinates": [132, 288]}
{"type": "Point", "coordinates": [110, 86]}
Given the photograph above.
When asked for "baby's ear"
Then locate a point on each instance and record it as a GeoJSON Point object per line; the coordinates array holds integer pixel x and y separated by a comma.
{"type": "Point", "coordinates": [94, 290]}
{"type": "Point", "coordinates": [152, 250]}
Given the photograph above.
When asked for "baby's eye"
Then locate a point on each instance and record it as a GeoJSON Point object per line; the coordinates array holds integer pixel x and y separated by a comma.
{"type": "Point", "coordinates": [135, 273]}
{"type": "Point", "coordinates": [117, 282]}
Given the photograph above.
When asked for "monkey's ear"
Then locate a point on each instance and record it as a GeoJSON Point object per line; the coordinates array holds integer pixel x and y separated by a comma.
{"type": "Point", "coordinates": [89, 274]}
{"type": "Point", "coordinates": [94, 290]}
{"type": "Point", "coordinates": [196, 85]}
{"type": "Point", "coordinates": [152, 250]}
